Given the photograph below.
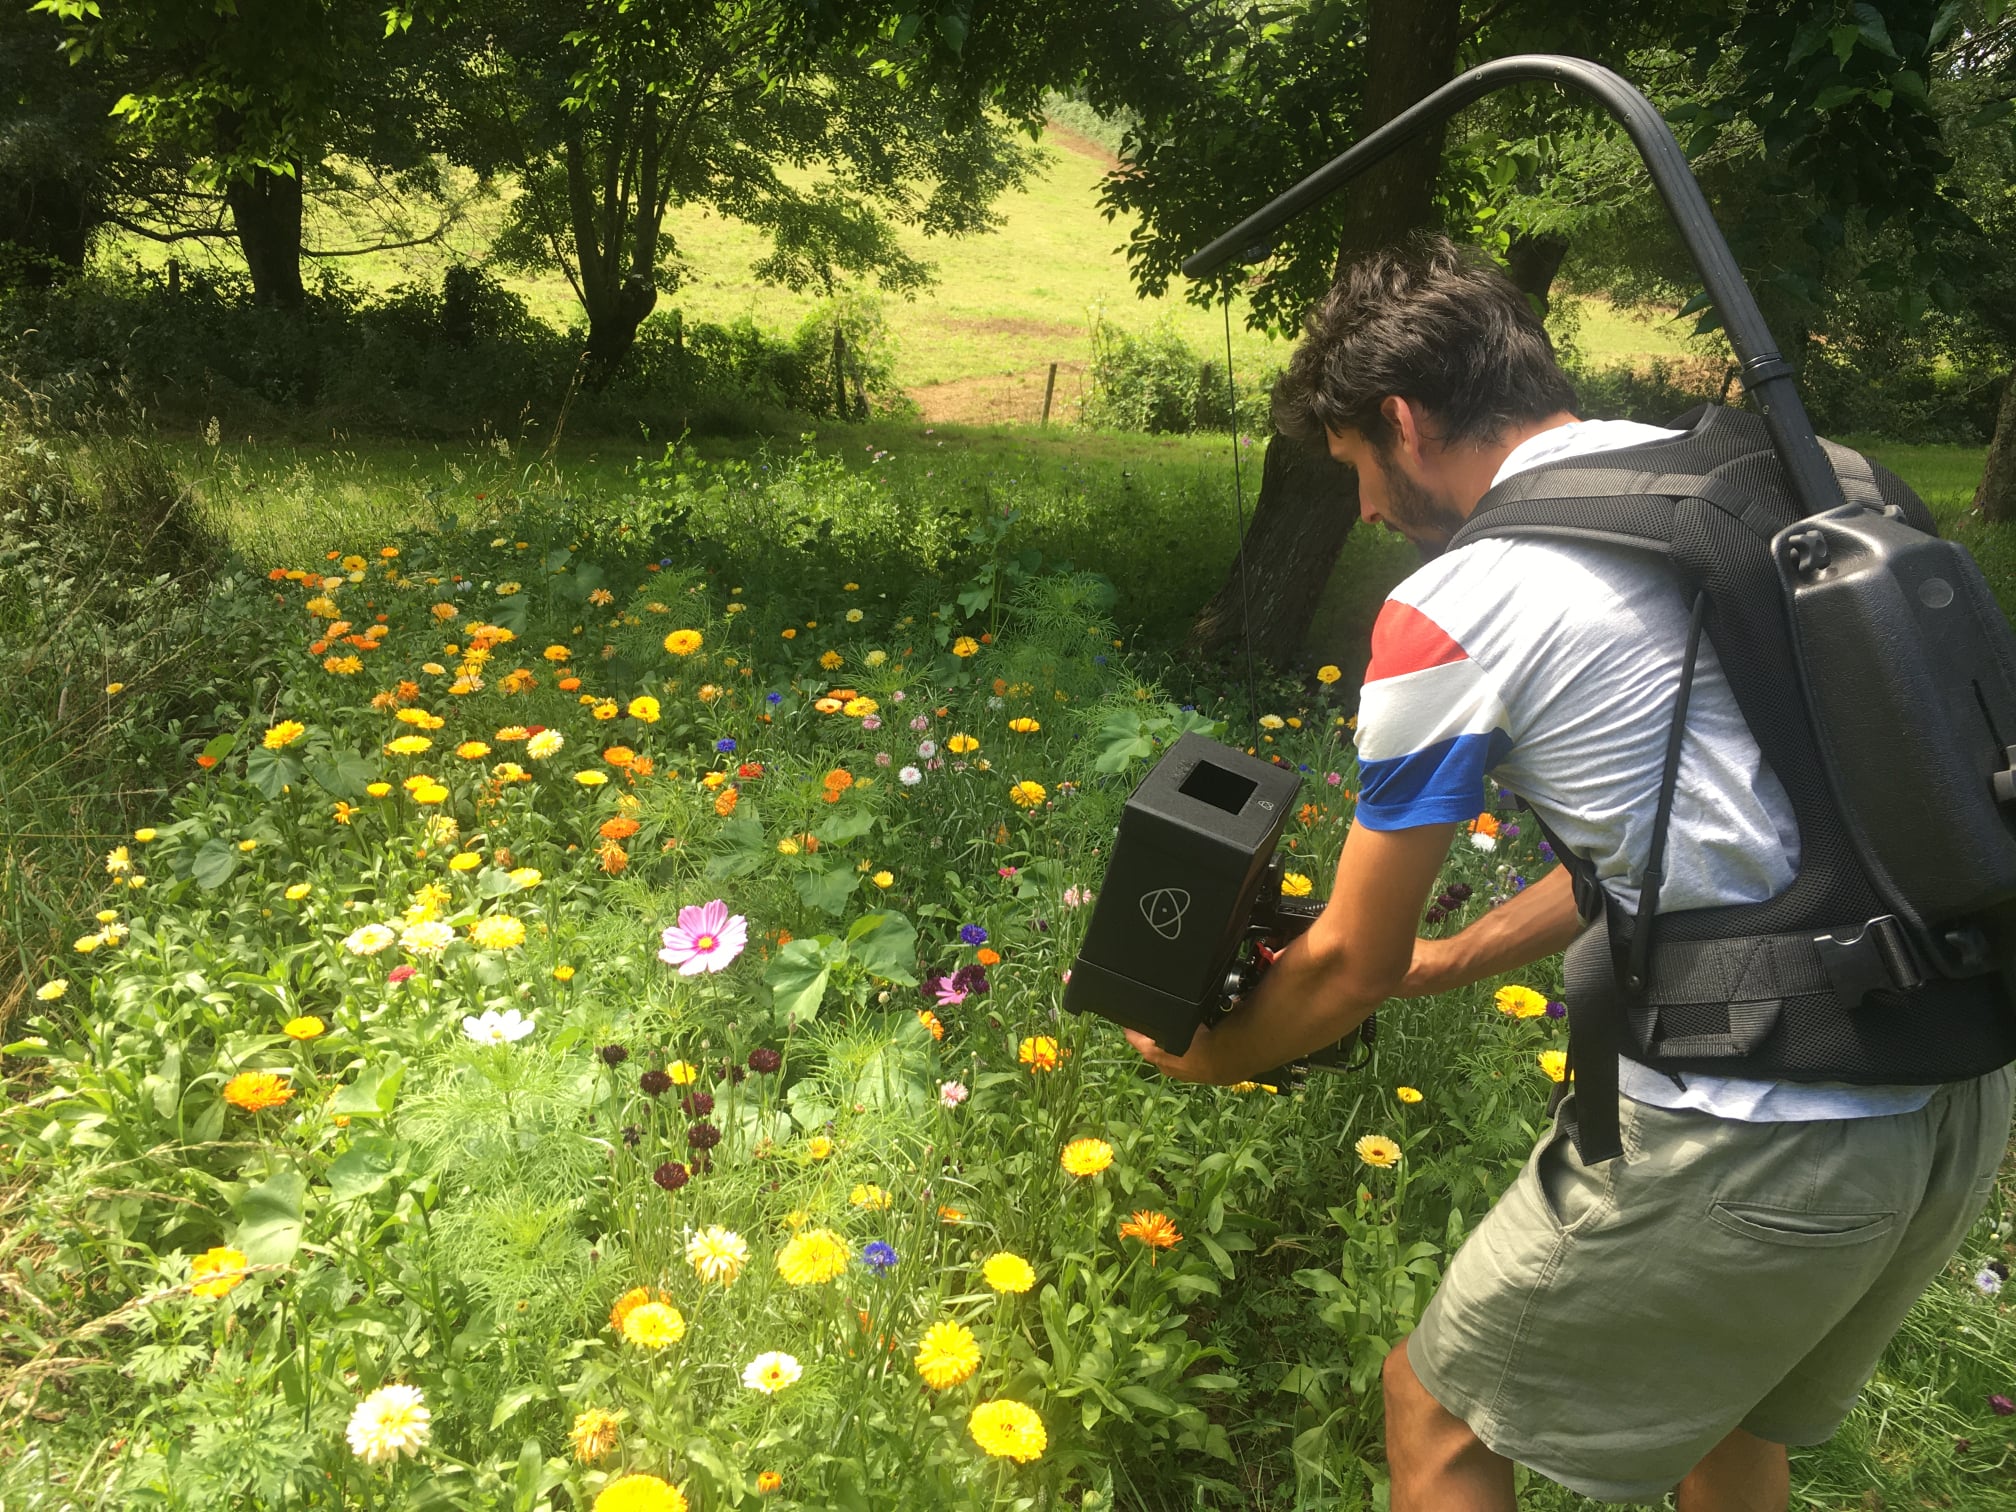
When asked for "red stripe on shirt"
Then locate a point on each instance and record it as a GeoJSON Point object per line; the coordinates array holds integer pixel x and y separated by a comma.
{"type": "Point", "coordinates": [1406, 640]}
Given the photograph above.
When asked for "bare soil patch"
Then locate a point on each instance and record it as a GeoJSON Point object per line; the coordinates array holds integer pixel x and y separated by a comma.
{"type": "Point", "coordinates": [1002, 397]}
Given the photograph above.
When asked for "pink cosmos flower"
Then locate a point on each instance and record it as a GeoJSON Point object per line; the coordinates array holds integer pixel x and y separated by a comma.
{"type": "Point", "coordinates": [949, 996]}
{"type": "Point", "coordinates": [706, 938]}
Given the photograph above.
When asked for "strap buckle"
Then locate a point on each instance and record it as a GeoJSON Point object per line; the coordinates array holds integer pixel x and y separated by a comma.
{"type": "Point", "coordinates": [1876, 957]}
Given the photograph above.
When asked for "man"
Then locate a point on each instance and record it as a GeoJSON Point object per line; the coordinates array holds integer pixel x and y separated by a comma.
{"type": "Point", "coordinates": [1675, 1316]}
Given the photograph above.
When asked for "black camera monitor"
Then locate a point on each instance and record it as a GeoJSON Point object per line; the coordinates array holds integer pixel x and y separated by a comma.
{"type": "Point", "coordinates": [1194, 855]}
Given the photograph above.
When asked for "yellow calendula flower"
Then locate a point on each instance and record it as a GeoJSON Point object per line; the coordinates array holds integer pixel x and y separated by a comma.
{"type": "Point", "coordinates": [1024, 725]}
{"type": "Point", "coordinates": [813, 1257]}
{"type": "Point", "coordinates": [683, 1073]}
{"type": "Point", "coordinates": [378, 789]}
{"type": "Point", "coordinates": [1327, 674]}
{"type": "Point", "coordinates": [53, 989]}
{"type": "Point", "coordinates": [1520, 1002]}
{"type": "Point", "coordinates": [683, 642]}
{"type": "Point", "coordinates": [830, 660]}
{"type": "Point", "coordinates": [965, 646]}
{"type": "Point", "coordinates": [594, 1435]}
{"type": "Point", "coordinates": [545, 743]}
{"type": "Point", "coordinates": [1554, 1063]}
{"type": "Point", "coordinates": [1378, 1150]}
{"type": "Point", "coordinates": [640, 1493]}
{"type": "Point", "coordinates": [472, 750]}
{"type": "Point", "coordinates": [1028, 794]}
{"type": "Point", "coordinates": [947, 1355]}
{"type": "Point", "coordinates": [498, 932]}
{"type": "Point", "coordinates": [563, 973]}
{"type": "Point", "coordinates": [883, 879]}
{"type": "Point", "coordinates": [216, 1271]}
{"type": "Point", "coordinates": [465, 861]}
{"type": "Point", "coordinates": [654, 1325]}
{"type": "Point", "coordinates": [430, 793]}
{"type": "Point", "coordinates": [284, 734]}
{"type": "Point", "coordinates": [408, 745]}
{"type": "Point", "coordinates": [591, 778]}
{"type": "Point", "coordinates": [1407, 1094]}
{"type": "Point", "coordinates": [1086, 1157]}
{"type": "Point", "coordinates": [1295, 885]}
{"type": "Point", "coordinates": [869, 1196]}
{"type": "Point", "coordinates": [1008, 1430]}
{"type": "Point", "coordinates": [644, 708]}
{"type": "Point", "coordinates": [144, 836]}
{"type": "Point", "coordinates": [818, 1147]}
{"type": "Point", "coordinates": [306, 1027]}
{"type": "Point", "coordinates": [1008, 1272]}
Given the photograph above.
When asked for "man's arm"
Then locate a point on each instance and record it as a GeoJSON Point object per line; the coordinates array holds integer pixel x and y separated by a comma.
{"type": "Point", "coordinates": [1355, 956]}
{"type": "Point", "coordinates": [1534, 925]}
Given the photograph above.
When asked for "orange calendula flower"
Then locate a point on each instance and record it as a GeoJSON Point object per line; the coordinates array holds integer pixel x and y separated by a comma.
{"type": "Point", "coordinates": [1039, 1053]}
{"type": "Point", "coordinates": [725, 801]}
{"type": "Point", "coordinates": [255, 1091]}
{"type": "Point", "coordinates": [1484, 824]}
{"type": "Point", "coordinates": [621, 827]}
{"type": "Point", "coordinates": [931, 1022]}
{"type": "Point", "coordinates": [1156, 1230]}
{"type": "Point", "coordinates": [987, 956]}
{"type": "Point", "coordinates": [769, 1481]}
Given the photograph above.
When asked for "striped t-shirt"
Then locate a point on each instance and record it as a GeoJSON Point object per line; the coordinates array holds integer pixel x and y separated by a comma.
{"type": "Point", "coordinates": [1551, 667]}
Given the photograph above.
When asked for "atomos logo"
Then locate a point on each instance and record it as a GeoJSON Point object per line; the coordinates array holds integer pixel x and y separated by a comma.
{"type": "Point", "coordinates": [1164, 909]}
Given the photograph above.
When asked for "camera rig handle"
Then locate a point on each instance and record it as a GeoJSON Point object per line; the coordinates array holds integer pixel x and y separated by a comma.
{"type": "Point", "coordinates": [1766, 376]}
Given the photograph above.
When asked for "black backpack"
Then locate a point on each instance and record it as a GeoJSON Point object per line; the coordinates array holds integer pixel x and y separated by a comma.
{"type": "Point", "coordinates": [1878, 677]}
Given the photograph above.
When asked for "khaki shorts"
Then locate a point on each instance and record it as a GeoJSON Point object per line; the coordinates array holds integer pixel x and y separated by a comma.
{"type": "Point", "coordinates": [1606, 1326]}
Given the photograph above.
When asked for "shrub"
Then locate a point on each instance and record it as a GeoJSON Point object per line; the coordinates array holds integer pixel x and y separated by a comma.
{"type": "Point", "coordinates": [1157, 382]}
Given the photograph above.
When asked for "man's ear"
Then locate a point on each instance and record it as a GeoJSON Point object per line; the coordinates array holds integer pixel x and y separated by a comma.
{"type": "Point", "coordinates": [1406, 422]}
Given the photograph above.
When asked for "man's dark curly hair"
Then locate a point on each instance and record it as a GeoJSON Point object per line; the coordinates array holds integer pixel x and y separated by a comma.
{"type": "Point", "coordinates": [1434, 323]}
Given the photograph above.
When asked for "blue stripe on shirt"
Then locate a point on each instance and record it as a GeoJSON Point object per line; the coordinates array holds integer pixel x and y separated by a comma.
{"type": "Point", "coordinates": [1438, 784]}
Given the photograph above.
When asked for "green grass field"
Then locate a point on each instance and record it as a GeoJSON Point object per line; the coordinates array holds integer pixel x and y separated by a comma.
{"type": "Point", "coordinates": [975, 347]}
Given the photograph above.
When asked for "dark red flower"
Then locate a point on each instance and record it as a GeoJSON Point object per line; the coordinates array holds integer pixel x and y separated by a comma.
{"type": "Point", "coordinates": [697, 1104]}
{"type": "Point", "coordinates": [613, 1055]}
{"type": "Point", "coordinates": [654, 1084]}
{"type": "Point", "coordinates": [703, 1136]}
{"type": "Point", "coordinates": [671, 1176]}
{"type": "Point", "coordinates": [763, 1060]}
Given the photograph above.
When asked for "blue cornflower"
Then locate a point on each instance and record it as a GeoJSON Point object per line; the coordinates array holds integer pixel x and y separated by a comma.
{"type": "Point", "coordinates": [664, 561]}
{"type": "Point", "coordinates": [725, 744]}
{"type": "Point", "coordinates": [775, 698]}
{"type": "Point", "coordinates": [1098, 661]}
{"type": "Point", "coordinates": [1557, 1010]}
{"type": "Point", "coordinates": [972, 934]}
{"type": "Point", "coordinates": [878, 1255]}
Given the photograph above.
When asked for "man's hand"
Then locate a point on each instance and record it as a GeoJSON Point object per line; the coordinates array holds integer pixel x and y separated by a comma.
{"type": "Point", "coordinates": [1194, 1065]}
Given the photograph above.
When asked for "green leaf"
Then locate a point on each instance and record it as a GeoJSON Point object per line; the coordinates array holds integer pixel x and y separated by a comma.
{"type": "Point", "coordinates": [885, 945]}
{"type": "Point", "coordinates": [271, 771]}
{"type": "Point", "coordinates": [848, 826]}
{"type": "Point", "coordinates": [221, 746]}
{"type": "Point", "coordinates": [364, 1168]}
{"type": "Point", "coordinates": [269, 1219]}
{"type": "Point", "coordinates": [372, 1094]}
{"type": "Point", "coordinates": [341, 774]}
{"type": "Point", "coordinates": [797, 977]}
{"type": "Point", "coordinates": [827, 891]}
{"type": "Point", "coordinates": [213, 864]}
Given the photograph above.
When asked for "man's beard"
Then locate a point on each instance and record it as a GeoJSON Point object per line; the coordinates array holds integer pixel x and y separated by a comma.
{"type": "Point", "coordinates": [1429, 520]}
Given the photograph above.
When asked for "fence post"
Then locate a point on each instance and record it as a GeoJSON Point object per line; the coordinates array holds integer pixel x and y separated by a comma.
{"type": "Point", "coordinates": [1049, 388]}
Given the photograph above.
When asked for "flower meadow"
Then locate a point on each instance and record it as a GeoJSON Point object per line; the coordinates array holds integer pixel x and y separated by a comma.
{"type": "Point", "coordinates": [592, 1037]}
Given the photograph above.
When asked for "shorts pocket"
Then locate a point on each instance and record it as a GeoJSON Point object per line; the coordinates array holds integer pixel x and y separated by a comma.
{"type": "Point", "coordinates": [1798, 1228]}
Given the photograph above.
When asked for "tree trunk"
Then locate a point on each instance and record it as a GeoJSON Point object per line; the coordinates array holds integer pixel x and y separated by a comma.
{"type": "Point", "coordinates": [1996, 497]}
{"type": "Point", "coordinates": [1532, 262]}
{"type": "Point", "coordinates": [1308, 503]}
{"type": "Point", "coordinates": [1307, 506]}
{"type": "Point", "coordinates": [1411, 51]}
{"type": "Point", "coordinates": [266, 210]}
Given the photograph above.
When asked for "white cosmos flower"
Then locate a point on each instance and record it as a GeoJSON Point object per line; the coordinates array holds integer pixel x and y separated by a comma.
{"type": "Point", "coordinates": [770, 1372]}
{"type": "Point", "coordinates": [909, 776]}
{"type": "Point", "coordinates": [1483, 842]}
{"type": "Point", "coordinates": [495, 1028]}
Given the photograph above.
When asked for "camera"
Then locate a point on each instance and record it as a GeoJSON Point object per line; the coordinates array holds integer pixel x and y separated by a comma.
{"type": "Point", "coordinates": [1191, 912]}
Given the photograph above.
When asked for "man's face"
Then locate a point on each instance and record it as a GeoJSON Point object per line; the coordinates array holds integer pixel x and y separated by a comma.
{"type": "Point", "coordinates": [1394, 493]}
